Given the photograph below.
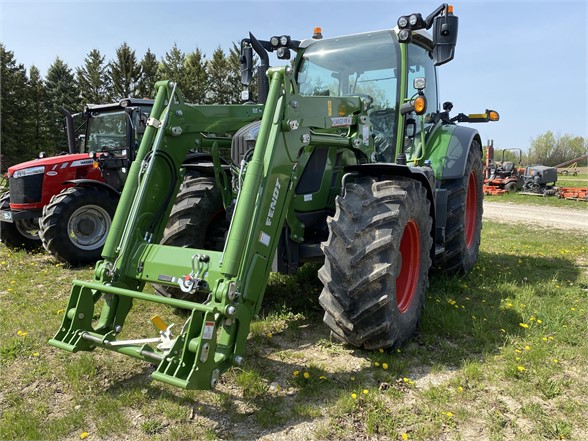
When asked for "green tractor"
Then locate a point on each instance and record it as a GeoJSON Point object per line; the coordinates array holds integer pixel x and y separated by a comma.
{"type": "Point", "coordinates": [345, 160]}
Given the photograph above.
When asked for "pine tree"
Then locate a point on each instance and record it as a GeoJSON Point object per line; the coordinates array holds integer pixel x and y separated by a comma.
{"type": "Point", "coordinates": [16, 129]}
{"type": "Point", "coordinates": [217, 70]}
{"type": "Point", "coordinates": [195, 77]}
{"type": "Point", "coordinates": [124, 73]}
{"type": "Point", "coordinates": [149, 76]}
{"type": "Point", "coordinates": [37, 99]}
{"type": "Point", "coordinates": [172, 66]}
{"type": "Point", "coordinates": [92, 78]}
{"type": "Point", "coordinates": [62, 91]}
{"type": "Point", "coordinates": [234, 75]}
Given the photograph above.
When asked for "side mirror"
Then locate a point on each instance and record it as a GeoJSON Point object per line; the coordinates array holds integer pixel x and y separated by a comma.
{"type": "Point", "coordinates": [246, 60]}
{"type": "Point", "coordinates": [444, 37]}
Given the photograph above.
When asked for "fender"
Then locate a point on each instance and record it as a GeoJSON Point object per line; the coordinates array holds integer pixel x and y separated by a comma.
{"type": "Point", "coordinates": [93, 183]}
{"type": "Point", "coordinates": [386, 171]}
{"type": "Point", "coordinates": [447, 149]}
{"type": "Point", "coordinates": [203, 163]}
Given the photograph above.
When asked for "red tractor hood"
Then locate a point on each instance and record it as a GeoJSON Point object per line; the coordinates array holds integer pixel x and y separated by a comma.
{"type": "Point", "coordinates": [51, 162]}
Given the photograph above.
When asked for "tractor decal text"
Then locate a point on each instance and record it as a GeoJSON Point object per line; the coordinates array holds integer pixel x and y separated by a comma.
{"type": "Point", "coordinates": [272, 208]}
{"type": "Point", "coordinates": [82, 162]}
{"type": "Point", "coordinates": [342, 121]}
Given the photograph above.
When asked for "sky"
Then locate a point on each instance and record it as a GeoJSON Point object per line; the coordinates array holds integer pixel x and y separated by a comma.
{"type": "Point", "coordinates": [526, 59]}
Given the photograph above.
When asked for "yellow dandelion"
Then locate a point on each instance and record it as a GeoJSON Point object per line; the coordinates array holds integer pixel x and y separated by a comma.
{"type": "Point", "coordinates": [12, 282]}
{"type": "Point", "coordinates": [306, 375]}
{"type": "Point", "coordinates": [3, 262]}
{"type": "Point", "coordinates": [544, 339]}
{"type": "Point", "coordinates": [539, 321]}
{"type": "Point", "coordinates": [460, 389]}
{"type": "Point", "coordinates": [322, 377]}
{"type": "Point", "coordinates": [527, 348]}
{"type": "Point", "coordinates": [521, 368]}
{"type": "Point", "coordinates": [365, 391]}
{"type": "Point", "coordinates": [449, 414]}
{"type": "Point", "coordinates": [404, 436]}
{"type": "Point", "coordinates": [84, 435]}
{"type": "Point", "coordinates": [296, 373]}
{"type": "Point", "coordinates": [523, 325]}
{"type": "Point", "coordinates": [555, 360]}
{"type": "Point", "coordinates": [354, 396]}
{"type": "Point", "coordinates": [376, 364]}
{"type": "Point", "coordinates": [21, 333]}
{"type": "Point", "coordinates": [384, 366]}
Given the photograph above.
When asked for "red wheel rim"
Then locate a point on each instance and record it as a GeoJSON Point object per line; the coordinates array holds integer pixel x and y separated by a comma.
{"type": "Point", "coordinates": [410, 251]}
{"type": "Point", "coordinates": [471, 213]}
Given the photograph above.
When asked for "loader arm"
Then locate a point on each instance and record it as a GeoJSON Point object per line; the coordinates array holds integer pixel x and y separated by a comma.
{"type": "Point", "coordinates": [213, 337]}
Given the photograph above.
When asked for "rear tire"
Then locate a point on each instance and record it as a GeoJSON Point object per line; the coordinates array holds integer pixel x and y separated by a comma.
{"type": "Point", "coordinates": [22, 233]}
{"type": "Point", "coordinates": [197, 220]}
{"type": "Point", "coordinates": [465, 197]}
{"type": "Point", "coordinates": [377, 259]}
{"type": "Point", "coordinates": [75, 224]}
{"type": "Point", "coordinates": [511, 187]}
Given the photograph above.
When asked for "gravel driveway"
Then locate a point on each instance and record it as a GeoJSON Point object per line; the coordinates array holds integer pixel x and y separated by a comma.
{"type": "Point", "coordinates": [542, 216]}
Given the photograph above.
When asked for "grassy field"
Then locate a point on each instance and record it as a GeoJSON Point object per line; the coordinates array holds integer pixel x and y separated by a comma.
{"type": "Point", "coordinates": [501, 354]}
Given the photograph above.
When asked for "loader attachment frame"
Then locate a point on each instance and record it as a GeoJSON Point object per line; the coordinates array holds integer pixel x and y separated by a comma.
{"type": "Point", "coordinates": [214, 336]}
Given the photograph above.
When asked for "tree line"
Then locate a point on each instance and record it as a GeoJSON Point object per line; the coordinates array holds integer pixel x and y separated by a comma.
{"type": "Point", "coordinates": [549, 149]}
{"type": "Point", "coordinates": [29, 102]}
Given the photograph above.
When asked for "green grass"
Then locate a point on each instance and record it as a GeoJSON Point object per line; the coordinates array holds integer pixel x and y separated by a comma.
{"type": "Point", "coordinates": [500, 354]}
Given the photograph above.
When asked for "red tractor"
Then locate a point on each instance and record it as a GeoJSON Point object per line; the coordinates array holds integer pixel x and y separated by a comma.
{"type": "Point", "coordinates": [66, 202]}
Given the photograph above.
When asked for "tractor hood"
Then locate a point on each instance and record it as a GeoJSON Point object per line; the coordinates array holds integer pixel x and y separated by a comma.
{"type": "Point", "coordinates": [49, 164]}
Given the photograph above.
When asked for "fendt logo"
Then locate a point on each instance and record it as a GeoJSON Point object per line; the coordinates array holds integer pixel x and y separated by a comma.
{"type": "Point", "coordinates": [272, 208]}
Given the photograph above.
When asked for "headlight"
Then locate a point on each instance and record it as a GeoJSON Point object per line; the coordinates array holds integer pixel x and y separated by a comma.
{"type": "Point", "coordinates": [29, 171]}
{"type": "Point", "coordinates": [402, 22]}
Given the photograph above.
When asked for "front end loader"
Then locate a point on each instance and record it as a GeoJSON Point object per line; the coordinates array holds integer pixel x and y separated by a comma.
{"type": "Point", "coordinates": [346, 160]}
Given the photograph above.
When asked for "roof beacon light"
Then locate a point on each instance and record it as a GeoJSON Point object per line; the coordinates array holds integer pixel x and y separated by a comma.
{"type": "Point", "coordinates": [318, 33]}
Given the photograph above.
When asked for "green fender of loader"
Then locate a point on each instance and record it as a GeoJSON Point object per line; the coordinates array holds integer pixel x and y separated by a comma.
{"type": "Point", "coordinates": [447, 150]}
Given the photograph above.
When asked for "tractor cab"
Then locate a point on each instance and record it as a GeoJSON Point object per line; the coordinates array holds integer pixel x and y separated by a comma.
{"type": "Point", "coordinates": [110, 135]}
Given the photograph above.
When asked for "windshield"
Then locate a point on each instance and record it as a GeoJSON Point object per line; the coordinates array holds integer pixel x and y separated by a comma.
{"type": "Point", "coordinates": [107, 131]}
{"type": "Point", "coordinates": [362, 64]}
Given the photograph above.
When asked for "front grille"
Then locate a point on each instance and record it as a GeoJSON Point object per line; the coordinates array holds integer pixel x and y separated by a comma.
{"type": "Point", "coordinates": [26, 189]}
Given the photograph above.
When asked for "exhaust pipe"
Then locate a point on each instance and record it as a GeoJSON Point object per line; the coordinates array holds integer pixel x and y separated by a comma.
{"type": "Point", "coordinates": [69, 130]}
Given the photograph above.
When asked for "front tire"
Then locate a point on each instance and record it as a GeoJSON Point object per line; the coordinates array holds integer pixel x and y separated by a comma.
{"type": "Point", "coordinates": [22, 233]}
{"type": "Point", "coordinates": [463, 229]}
{"type": "Point", "coordinates": [377, 259]}
{"type": "Point", "coordinates": [197, 220]}
{"type": "Point", "coordinates": [75, 224]}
